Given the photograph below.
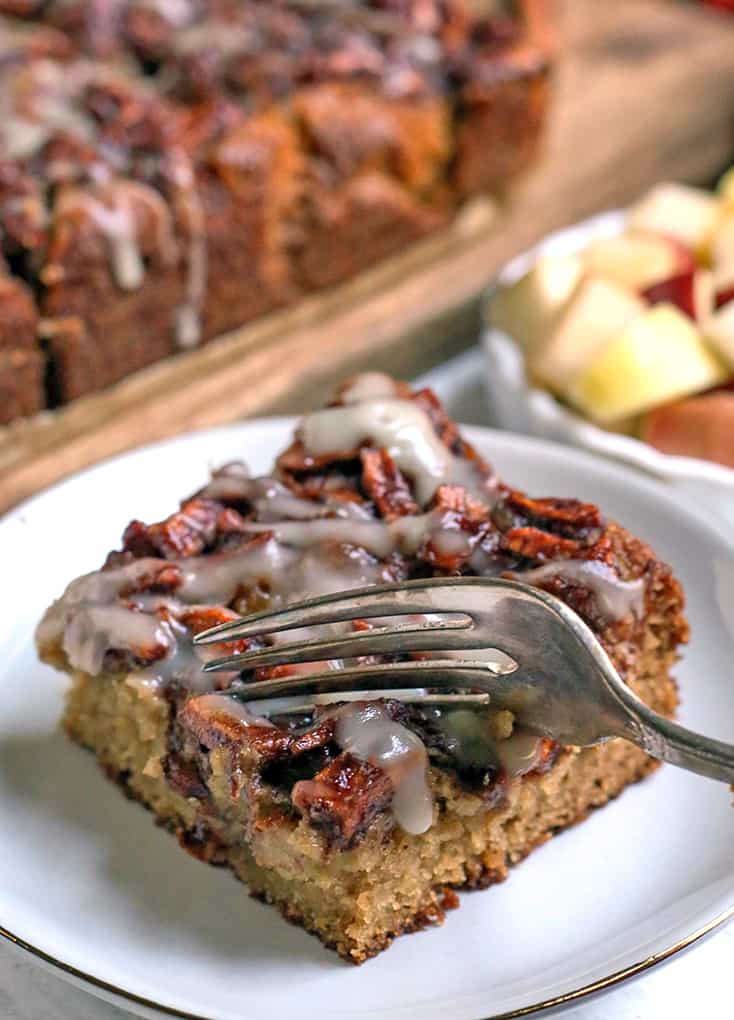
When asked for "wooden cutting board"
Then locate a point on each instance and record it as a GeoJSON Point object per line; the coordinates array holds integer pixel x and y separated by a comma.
{"type": "Point", "coordinates": [644, 91]}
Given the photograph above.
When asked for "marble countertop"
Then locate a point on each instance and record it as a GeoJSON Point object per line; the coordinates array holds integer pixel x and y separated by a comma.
{"type": "Point", "coordinates": [695, 983]}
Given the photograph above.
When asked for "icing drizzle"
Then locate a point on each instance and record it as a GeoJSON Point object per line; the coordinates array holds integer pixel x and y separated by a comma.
{"type": "Point", "coordinates": [404, 430]}
{"type": "Point", "coordinates": [615, 598]}
{"type": "Point", "coordinates": [368, 732]}
{"type": "Point", "coordinates": [301, 548]}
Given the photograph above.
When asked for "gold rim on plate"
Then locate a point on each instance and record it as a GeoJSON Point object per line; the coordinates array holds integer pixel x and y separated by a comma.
{"type": "Point", "coordinates": [565, 999]}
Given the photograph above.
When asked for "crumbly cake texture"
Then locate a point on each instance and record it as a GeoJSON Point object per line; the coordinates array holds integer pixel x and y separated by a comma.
{"type": "Point", "coordinates": [353, 843]}
{"type": "Point", "coordinates": [170, 171]}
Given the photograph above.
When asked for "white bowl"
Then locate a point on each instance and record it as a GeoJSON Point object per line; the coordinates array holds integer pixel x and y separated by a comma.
{"type": "Point", "coordinates": [517, 405]}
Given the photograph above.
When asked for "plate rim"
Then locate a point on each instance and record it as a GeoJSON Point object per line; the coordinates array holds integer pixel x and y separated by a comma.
{"type": "Point", "coordinates": [124, 998]}
{"type": "Point", "coordinates": [121, 997]}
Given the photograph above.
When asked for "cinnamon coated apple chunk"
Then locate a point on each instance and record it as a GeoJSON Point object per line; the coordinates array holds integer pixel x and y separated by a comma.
{"type": "Point", "coordinates": [357, 820]}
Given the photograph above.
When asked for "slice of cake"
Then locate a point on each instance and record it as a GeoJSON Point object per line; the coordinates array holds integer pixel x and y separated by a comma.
{"type": "Point", "coordinates": [361, 819]}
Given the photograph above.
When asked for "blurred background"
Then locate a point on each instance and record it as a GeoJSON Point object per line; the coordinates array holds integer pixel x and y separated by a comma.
{"type": "Point", "coordinates": [214, 210]}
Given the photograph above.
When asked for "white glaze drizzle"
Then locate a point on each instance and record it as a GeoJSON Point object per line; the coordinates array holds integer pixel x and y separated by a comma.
{"type": "Point", "coordinates": [238, 710]}
{"type": "Point", "coordinates": [217, 578]}
{"type": "Point", "coordinates": [182, 665]}
{"type": "Point", "coordinates": [368, 732]}
{"type": "Point", "coordinates": [368, 386]}
{"type": "Point", "coordinates": [273, 501]}
{"type": "Point", "coordinates": [100, 588]}
{"type": "Point", "coordinates": [405, 431]}
{"type": "Point", "coordinates": [91, 619]}
{"type": "Point", "coordinates": [187, 322]}
{"type": "Point", "coordinates": [111, 209]}
{"type": "Point", "coordinates": [93, 630]}
{"type": "Point", "coordinates": [615, 598]}
{"type": "Point", "coordinates": [404, 534]}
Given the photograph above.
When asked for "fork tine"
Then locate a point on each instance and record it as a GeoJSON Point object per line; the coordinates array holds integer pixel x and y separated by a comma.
{"type": "Point", "coordinates": [296, 705]}
{"type": "Point", "coordinates": [338, 607]}
{"type": "Point", "coordinates": [447, 673]}
{"type": "Point", "coordinates": [435, 636]}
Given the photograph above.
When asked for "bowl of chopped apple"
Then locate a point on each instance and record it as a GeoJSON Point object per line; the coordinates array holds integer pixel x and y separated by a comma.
{"type": "Point", "coordinates": [617, 335]}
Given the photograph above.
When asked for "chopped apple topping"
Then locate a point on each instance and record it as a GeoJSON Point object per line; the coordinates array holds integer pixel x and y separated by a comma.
{"type": "Point", "coordinates": [637, 261]}
{"type": "Point", "coordinates": [688, 214]}
{"type": "Point", "coordinates": [598, 311]}
{"type": "Point", "coordinates": [658, 357]}
{"type": "Point", "coordinates": [676, 290]}
{"type": "Point", "coordinates": [636, 321]}
{"type": "Point", "coordinates": [529, 309]}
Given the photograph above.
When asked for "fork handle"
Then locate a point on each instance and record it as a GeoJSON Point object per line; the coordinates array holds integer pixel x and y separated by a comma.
{"type": "Point", "coordinates": [669, 741]}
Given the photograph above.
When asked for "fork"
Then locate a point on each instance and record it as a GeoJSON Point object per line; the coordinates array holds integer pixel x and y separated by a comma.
{"type": "Point", "coordinates": [495, 640]}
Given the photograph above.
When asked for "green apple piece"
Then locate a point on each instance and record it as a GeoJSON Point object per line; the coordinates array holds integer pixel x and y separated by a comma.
{"type": "Point", "coordinates": [528, 309]}
{"type": "Point", "coordinates": [659, 356]}
{"type": "Point", "coordinates": [719, 331]}
{"type": "Point", "coordinates": [688, 214]}
{"type": "Point", "coordinates": [636, 261]}
{"type": "Point", "coordinates": [598, 311]}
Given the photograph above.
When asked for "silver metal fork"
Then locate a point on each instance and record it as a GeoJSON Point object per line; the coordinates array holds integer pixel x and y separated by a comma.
{"type": "Point", "coordinates": [551, 672]}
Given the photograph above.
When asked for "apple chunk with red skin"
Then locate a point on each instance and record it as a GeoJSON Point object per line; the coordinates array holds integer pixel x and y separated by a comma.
{"type": "Point", "coordinates": [676, 290]}
{"type": "Point", "coordinates": [638, 261]}
{"type": "Point", "coordinates": [691, 215]}
{"type": "Point", "coordinates": [657, 267]}
{"type": "Point", "coordinates": [697, 427]}
{"type": "Point", "coordinates": [724, 296]}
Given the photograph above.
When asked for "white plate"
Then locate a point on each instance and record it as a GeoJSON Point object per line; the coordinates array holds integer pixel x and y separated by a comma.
{"type": "Point", "coordinates": [93, 887]}
{"type": "Point", "coordinates": [520, 407]}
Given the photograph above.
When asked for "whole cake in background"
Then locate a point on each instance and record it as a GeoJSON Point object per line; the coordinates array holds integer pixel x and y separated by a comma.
{"type": "Point", "coordinates": [360, 820]}
{"type": "Point", "coordinates": [169, 171]}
